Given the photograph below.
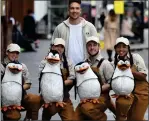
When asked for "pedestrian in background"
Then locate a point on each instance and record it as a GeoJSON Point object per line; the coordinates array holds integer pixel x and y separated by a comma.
{"type": "Point", "coordinates": [138, 26]}
{"type": "Point", "coordinates": [102, 19]}
{"type": "Point", "coordinates": [127, 23]}
{"type": "Point", "coordinates": [29, 28]}
{"type": "Point", "coordinates": [75, 31]}
{"type": "Point", "coordinates": [111, 32]}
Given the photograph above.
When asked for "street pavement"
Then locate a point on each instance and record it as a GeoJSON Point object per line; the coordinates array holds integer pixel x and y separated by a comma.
{"type": "Point", "coordinates": [32, 60]}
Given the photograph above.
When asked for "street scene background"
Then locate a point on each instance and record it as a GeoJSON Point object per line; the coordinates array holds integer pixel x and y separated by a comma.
{"type": "Point", "coordinates": [48, 14]}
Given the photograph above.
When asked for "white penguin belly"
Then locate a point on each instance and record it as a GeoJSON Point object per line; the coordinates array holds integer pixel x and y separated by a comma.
{"type": "Point", "coordinates": [122, 85]}
{"type": "Point", "coordinates": [11, 93]}
{"type": "Point", "coordinates": [52, 87]}
{"type": "Point", "coordinates": [89, 89]}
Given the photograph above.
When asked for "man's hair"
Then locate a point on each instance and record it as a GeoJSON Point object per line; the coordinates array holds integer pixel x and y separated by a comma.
{"type": "Point", "coordinates": [77, 1]}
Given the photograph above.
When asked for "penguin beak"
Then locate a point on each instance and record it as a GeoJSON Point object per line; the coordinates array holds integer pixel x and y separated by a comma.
{"type": "Point", "coordinates": [82, 70]}
{"type": "Point", "coordinates": [53, 60]}
{"type": "Point", "coordinates": [124, 66]}
{"type": "Point", "coordinates": [14, 70]}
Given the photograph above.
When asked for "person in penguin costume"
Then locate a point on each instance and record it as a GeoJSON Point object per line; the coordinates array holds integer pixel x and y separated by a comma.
{"type": "Point", "coordinates": [56, 79]}
{"type": "Point", "coordinates": [12, 87]}
{"type": "Point", "coordinates": [123, 85]}
{"type": "Point", "coordinates": [51, 81]}
{"type": "Point", "coordinates": [129, 83]}
{"type": "Point", "coordinates": [14, 83]}
{"type": "Point", "coordinates": [88, 85]}
{"type": "Point", "coordinates": [102, 68]}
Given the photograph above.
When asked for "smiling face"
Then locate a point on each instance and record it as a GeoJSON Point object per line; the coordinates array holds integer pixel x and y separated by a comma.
{"type": "Point", "coordinates": [74, 10]}
{"type": "Point", "coordinates": [82, 68]}
{"type": "Point", "coordinates": [121, 49]}
{"type": "Point", "coordinates": [12, 56]}
{"type": "Point", "coordinates": [92, 48]}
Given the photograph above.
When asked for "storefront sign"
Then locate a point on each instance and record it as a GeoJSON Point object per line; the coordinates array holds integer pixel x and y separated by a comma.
{"type": "Point", "coordinates": [119, 7]}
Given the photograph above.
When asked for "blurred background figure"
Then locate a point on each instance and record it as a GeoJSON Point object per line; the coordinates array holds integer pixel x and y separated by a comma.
{"type": "Point", "coordinates": [126, 28]}
{"type": "Point", "coordinates": [137, 26]}
{"type": "Point", "coordinates": [29, 28]}
{"type": "Point", "coordinates": [102, 18]}
{"type": "Point", "coordinates": [111, 32]}
{"type": "Point", "coordinates": [18, 38]}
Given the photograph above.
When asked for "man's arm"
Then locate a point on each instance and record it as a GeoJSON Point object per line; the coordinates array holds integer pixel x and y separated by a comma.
{"type": "Point", "coordinates": [71, 77]}
{"type": "Point", "coordinates": [105, 87]}
{"type": "Point", "coordinates": [93, 30]}
{"type": "Point", "coordinates": [139, 75]}
{"type": "Point", "coordinates": [27, 81]}
{"type": "Point", "coordinates": [140, 71]}
{"type": "Point", "coordinates": [108, 71]}
{"type": "Point", "coordinates": [55, 34]}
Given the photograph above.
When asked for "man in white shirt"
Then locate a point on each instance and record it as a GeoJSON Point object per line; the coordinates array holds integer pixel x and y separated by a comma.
{"type": "Point", "coordinates": [75, 31]}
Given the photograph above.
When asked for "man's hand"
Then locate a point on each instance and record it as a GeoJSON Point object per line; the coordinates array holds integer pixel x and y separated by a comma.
{"type": "Point", "coordinates": [105, 87]}
{"type": "Point", "coordinates": [26, 86]}
{"type": "Point", "coordinates": [68, 82]}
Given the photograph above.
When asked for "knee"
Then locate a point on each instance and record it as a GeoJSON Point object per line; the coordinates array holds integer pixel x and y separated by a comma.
{"type": "Point", "coordinates": [12, 115]}
{"type": "Point", "coordinates": [123, 103]}
{"type": "Point", "coordinates": [32, 98]}
{"type": "Point", "coordinates": [32, 101]}
{"type": "Point", "coordinates": [87, 107]}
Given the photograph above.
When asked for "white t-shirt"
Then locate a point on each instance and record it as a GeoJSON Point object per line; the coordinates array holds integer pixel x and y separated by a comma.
{"type": "Point", "coordinates": [75, 48]}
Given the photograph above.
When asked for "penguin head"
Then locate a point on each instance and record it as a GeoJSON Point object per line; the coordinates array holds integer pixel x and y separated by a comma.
{"type": "Point", "coordinates": [82, 67]}
{"type": "Point", "coordinates": [53, 57]}
{"type": "Point", "coordinates": [15, 67]}
{"type": "Point", "coordinates": [123, 65]}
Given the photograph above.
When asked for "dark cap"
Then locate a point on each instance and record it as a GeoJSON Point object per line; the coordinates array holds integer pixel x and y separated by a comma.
{"type": "Point", "coordinates": [77, 1]}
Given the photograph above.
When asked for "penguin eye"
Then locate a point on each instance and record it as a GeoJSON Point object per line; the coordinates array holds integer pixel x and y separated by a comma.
{"type": "Point", "coordinates": [127, 62]}
{"type": "Point", "coordinates": [11, 64]}
{"type": "Point", "coordinates": [121, 62]}
{"type": "Point", "coordinates": [57, 56]}
{"type": "Point", "coordinates": [77, 68]}
{"type": "Point", "coordinates": [19, 67]}
{"type": "Point", "coordinates": [50, 55]}
{"type": "Point", "coordinates": [85, 65]}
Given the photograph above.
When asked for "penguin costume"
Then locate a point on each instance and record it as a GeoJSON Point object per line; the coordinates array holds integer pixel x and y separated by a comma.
{"type": "Point", "coordinates": [12, 87]}
{"type": "Point", "coordinates": [51, 81]}
{"type": "Point", "coordinates": [87, 83]}
{"type": "Point", "coordinates": [122, 81]}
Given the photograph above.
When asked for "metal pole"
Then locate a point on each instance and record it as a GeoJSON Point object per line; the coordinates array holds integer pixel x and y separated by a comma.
{"type": "Point", "coordinates": [49, 17]}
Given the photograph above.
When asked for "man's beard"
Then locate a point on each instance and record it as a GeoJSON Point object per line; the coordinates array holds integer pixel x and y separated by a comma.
{"type": "Point", "coordinates": [72, 18]}
{"type": "Point", "coordinates": [94, 54]}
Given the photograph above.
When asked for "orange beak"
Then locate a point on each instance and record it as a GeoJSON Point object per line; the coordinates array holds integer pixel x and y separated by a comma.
{"type": "Point", "coordinates": [124, 66]}
{"type": "Point", "coordinates": [82, 69]}
{"type": "Point", "coordinates": [53, 60]}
